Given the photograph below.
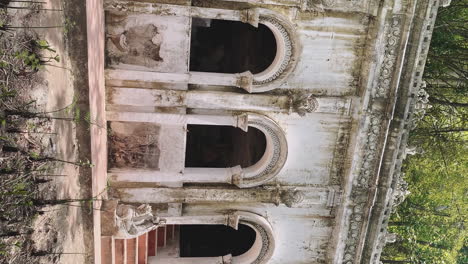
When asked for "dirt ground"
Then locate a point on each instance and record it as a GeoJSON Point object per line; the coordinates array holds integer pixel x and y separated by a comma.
{"type": "Point", "coordinates": [64, 231]}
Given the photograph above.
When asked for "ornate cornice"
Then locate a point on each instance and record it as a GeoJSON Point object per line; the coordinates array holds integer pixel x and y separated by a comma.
{"type": "Point", "coordinates": [374, 130]}
{"type": "Point", "coordinates": [415, 108]}
{"type": "Point", "coordinates": [360, 190]}
{"type": "Point", "coordinates": [393, 39]}
{"type": "Point", "coordinates": [377, 188]}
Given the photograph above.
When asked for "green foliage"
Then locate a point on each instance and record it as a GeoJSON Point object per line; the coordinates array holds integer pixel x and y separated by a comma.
{"type": "Point", "coordinates": [431, 221]}
{"type": "Point", "coordinates": [68, 26]}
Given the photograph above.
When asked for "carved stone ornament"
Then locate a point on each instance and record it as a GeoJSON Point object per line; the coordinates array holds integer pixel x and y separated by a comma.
{"type": "Point", "coordinates": [359, 192]}
{"type": "Point", "coordinates": [445, 3]}
{"type": "Point", "coordinates": [388, 64]}
{"type": "Point", "coordinates": [400, 192]}
{"type": "Point", "coordinates": [302, 102]}
{"type": "Point", "coordinates": [391, 238]}
{"type": "Point", "coordinates": [290, 198]}
{"type": "Point", "coordinates": [272, 161]}
{"type": "Point", "coordinates": [134, 221]}
{"type": "Point", "coordinates": [421, 104]}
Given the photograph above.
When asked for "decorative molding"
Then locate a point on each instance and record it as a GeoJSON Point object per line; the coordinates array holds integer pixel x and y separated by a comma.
{"type": "Point", "coordinates": [360, 188]}
{"type": "Point", "coordinates": [302, 102]}
{"type": "Point", "coordinates": [416, 108]}
{"type": "Point", "coordinates": [290, 197]}
{"type": "Point", "coordinates": [275, 155]}
{"type": "Point", "coordinates": [393, 39]}
{"type": "Point", "coordinates": [287, 56]}
{"type": "Point", "coordinates": [344, 5]}
{"type": "Point", "coordinates": [286, 60]}
{"type": "Point", "coordinates": [265, 232]}
{"type": "Point", "coordinates": [390, 196]}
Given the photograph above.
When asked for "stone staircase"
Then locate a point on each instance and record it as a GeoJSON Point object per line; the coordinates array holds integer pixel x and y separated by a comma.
{"type": "Point", "coordinates": [137, 250]}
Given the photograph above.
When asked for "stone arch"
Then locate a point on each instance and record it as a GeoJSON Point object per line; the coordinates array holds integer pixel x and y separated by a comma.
{"type": "Point", "coordinates": [260, 252]}
{"type": "Point", "coordinates": [288, 51]}
{"type": "Point", "coordinates": [273, 159]}
{"type": "Point", "coordinates": [264, 246]}
{"type": "Point", "coordinates": [269, 165]}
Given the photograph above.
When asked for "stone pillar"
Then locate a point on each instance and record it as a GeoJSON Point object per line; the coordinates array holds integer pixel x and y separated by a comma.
{"type": "Point", "coordinates": [189, 175]}
{"type": "Point", "coordinates": [196, 99]}
{"type": "Point", "coordinates": [240, 121]}
{"type": "Point", "coordinates": [242, 80]}
{"type": "Point", "coordinates": [291, 197]}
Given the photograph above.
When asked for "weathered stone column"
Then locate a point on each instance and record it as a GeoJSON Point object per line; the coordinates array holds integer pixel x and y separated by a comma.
{"type": "Point", "coordinates": [299, 102]}
{"type": "Point", "coordinates": [239, 121]}
{"type": "Point", "coordinates": [243, 80]}
{"type": "Point", "coordinates": [189, 175]}
{"type": "Point", "coordinates": [291, 197]}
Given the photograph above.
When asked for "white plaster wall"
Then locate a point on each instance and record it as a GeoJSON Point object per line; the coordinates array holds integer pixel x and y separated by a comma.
{"type": "Point", "coordinates": [311, 144]}
{"type": "Point", "coordinates": [329, 63]}
{"type": "Point", "coordinates": [301, 234]}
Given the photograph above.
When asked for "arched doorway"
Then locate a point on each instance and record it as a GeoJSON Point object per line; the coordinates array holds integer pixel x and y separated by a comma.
{"type": "Point", "coordinates": [266, 168]}
{"type": "Point", "coordinates": [223, 146]}
{"type": "Point", "coordinates": [230, 46]}
{"type": "Point", "coordinates": [237, 237]}
{"type": "Point", "coordinates": [215, 240]}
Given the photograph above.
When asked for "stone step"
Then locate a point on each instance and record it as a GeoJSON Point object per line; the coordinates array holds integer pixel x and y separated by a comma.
{"type": "Point", "coordinates": [120, 251]}
{"type": "Point", "coordinates": [142, 249]}
{"type": "Point", "coordinates": [169, 232]}
{"type": "Point", "coordinates": [136, 250]}
{"type": "Point", "coordinates": [152, 238]}
{"type": "Point", "coordinates": [131, 250]}
{"type": "Point", "coordinates": [107, 252]}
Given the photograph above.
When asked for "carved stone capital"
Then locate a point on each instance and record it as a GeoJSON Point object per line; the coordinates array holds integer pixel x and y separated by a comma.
{"type": "Point", "coordinates": [251, 16]}
{"type": "Point", "coordinates": [291, 198]}
{"type": "Point", "coordinates": [233, 221]}
{"type": "Point", "coordinates": [302, 102]}
{"type": "Point", "coordinates": [243, 122]}
{"type": "Point", "coordinates": [245, 81]}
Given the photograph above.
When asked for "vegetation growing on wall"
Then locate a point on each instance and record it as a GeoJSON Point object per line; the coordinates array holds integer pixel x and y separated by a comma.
{"type": "Point", "coordinates": [431, 222]}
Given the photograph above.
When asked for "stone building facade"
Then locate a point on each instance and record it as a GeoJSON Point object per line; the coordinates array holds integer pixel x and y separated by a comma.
{"type": "Point", "coordinates": [286, 118]}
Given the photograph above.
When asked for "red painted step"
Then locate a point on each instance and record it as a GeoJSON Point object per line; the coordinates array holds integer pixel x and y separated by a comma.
{"type": "Point", "coordinates": [142, 249]}
{"type": "Point", "coordinates": [161, 236]}
{"type": "Point", "coordinates": [136, 250]}
{"type": "Point", "coordinates": [106, 250]}
{"type": "Point", "coordinates": [131, 251]}
{"type": "Point", "coordinates": [169, 232]}
{"type": "Point", "coordinates": [152, 236]}
{"type": "Point", "coordinates": [119, 251]}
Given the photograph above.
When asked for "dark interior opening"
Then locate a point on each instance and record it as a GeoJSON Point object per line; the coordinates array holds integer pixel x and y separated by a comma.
{"type": "Point", "coordinates": [230, 46]}
{"type": "Point", "coordinates": [223, 146]}
{"type": "Point", "coordinates": [215, 240]}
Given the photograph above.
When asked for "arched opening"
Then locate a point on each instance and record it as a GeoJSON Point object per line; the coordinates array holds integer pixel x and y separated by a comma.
{"type": "Point", "coordinates": [215, 240]}
{"type": "Point", "coordinates": [230, 46]}
{"type": "Point", "coordinates": [223, 146]}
